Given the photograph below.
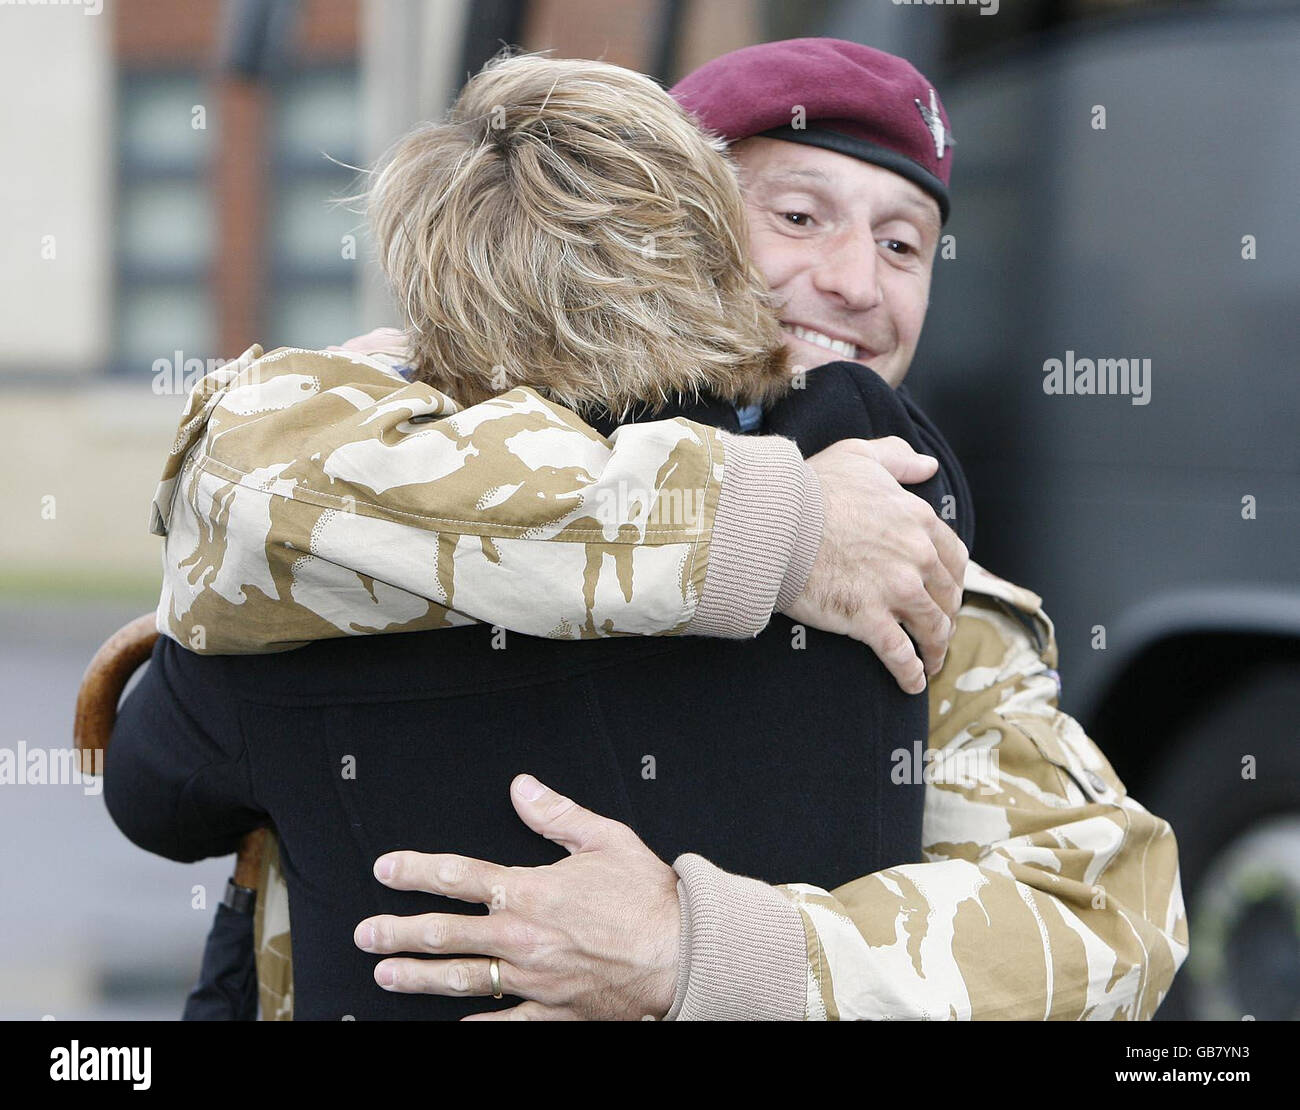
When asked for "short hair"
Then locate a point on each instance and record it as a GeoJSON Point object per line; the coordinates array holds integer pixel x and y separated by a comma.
{"type": "Point", "coordinates": [569, 227]}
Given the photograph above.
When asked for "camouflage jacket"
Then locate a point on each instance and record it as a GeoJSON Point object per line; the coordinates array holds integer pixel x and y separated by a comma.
{"type": "Point", "coordinates": [312, 494]}
{"type": "Point", "coordinates": [297, 503]}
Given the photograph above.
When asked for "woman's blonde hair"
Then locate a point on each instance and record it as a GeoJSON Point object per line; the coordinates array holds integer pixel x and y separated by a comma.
{"type": "Point", "coordinates": [568, 227]}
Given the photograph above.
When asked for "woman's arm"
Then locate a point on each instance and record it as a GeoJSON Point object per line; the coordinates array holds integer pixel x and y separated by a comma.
{"type": "Point", "coordinates": [176, 778]}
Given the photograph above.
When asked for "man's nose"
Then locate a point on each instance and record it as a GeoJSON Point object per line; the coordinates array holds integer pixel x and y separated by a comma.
{"type": "Point", "coordinates": [848, 271]}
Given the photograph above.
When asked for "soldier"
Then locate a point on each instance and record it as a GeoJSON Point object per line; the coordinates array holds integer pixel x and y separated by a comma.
{"type": "Point", "coordinates": [1044, 857]}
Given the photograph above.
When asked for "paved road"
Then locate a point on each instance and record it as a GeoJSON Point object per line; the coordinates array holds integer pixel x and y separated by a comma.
{"type": "Point", "coordinates": [90, 926]}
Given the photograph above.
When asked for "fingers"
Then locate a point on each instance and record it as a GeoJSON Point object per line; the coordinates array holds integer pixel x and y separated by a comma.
{"type": "Point", "coordinates": [901, 460]}
{"type": "Point", "coordinates": [460, 877]}
{"type": "Point", "coordinates": [895, 651]}
{"type": "Point", "coordinates": [888, 566]}
{"type": "Point", "coordinates": [929, 625]}
{"type": "Point", "coordinates": [923, 595]}
{"type": "Point", "coordinates": [561, 819]}
{"type": "Point", "coordinates": [932, 616]}
{"type": "Point", "coordinates": [465, 977]}
{"type": "Point", "coordinates": [436, 933]}
{"type": "Point", "coordinates": [954, 557]}
{"type": "Point", "coordinates": [944, 581]}
{"type": "Point", "coordinates": [468, 977]}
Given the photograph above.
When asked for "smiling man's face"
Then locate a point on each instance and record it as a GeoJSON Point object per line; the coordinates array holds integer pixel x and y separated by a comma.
{"type": "Point", "coordinates": [848, 249]}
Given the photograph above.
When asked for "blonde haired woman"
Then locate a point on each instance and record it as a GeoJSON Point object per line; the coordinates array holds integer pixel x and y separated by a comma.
{"type": "Point", "coordinates": [566, 228]}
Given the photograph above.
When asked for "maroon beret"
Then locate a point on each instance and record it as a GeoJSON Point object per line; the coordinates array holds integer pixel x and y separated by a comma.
{"type": "Point", "coordinates": [856, 101]}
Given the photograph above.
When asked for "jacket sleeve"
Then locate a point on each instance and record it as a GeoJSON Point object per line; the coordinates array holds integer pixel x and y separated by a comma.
{"type": "Point", "coordinates": [1047, 891]}
{"type": "Point", "coordinates": [311, 494]}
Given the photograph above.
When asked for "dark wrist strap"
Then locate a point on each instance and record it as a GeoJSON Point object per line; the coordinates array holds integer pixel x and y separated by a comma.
{"type": "Point", "coordinates": [241, 899]}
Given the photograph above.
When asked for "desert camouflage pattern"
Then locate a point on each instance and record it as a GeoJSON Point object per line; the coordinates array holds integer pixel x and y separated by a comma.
{"type": "Point", "coordinates": [311, 494]}
{"type": "Point", "coordinates": [299, 501]}
{"type": "Point", "coordinates": [271, 943]}
{"type": "Point", "coordinates": [1047, 892]}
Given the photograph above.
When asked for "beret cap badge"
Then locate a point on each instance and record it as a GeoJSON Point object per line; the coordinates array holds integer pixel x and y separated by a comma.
{"type": "Point", "coordinates": [934, 122]}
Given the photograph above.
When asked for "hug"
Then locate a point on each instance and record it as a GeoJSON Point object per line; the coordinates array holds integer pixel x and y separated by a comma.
{"type": "Point", "coordinates": [387, 591]}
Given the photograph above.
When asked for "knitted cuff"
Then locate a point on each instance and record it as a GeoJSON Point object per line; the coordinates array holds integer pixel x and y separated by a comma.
{"type": "Point", "coordinates": [742, 954]}
{"type": "Point", "coordinates": [766, 534]}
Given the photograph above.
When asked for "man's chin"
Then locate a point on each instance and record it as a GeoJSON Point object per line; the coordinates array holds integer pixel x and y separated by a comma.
{"type": "Point", "coordinates": [808, 356]}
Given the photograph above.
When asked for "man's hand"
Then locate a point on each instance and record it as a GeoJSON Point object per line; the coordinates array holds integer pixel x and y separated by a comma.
{"type": "Point", "coordinates": [887, 563]}
{"type": "Point", "coordinates": [591, 937]}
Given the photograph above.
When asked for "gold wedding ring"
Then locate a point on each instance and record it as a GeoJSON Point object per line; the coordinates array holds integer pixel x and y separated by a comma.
{"type": "Point", "coordinates": [494, 973]}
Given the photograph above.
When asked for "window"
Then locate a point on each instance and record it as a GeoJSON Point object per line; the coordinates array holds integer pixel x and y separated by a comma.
{"type": "Point", "coordinates": [164, 221]}
{"type": "Point", "coordinates": [317, 246]}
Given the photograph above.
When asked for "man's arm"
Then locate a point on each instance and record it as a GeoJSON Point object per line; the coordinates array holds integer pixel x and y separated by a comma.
{"type": "Point", "coordinates": [314, 494]}
{"type": "Point", "coordinates": [1047, 891]}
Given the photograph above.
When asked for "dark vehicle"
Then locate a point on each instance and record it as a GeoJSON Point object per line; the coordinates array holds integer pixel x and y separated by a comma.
{"type": "Point", "coordinates": [1127, 221]}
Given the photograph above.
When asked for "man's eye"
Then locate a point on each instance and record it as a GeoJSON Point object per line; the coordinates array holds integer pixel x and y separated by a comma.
{"type": "Point", "coordinates": [897, 246]}
{"type": "Point", "coordinates": [791, 217]}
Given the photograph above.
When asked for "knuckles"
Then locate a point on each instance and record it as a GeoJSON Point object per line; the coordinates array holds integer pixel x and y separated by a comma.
{"type": "Point", "coordinates": [459, 978]}
{"type": "Point", "coordinates": [451, 871]}
{"type": "Point", "coordinates": [906, 588]}
{"type": "Point", "coordinates": [894, 644]}
{"type": "Point", "coordinates": [434, 936]}
{"type": "Point", "coordinates": [527, 943]}
{"type": "Point", "coordinates": [557, 807]}
{"type": "Point", "coordinates": [522, 896]}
